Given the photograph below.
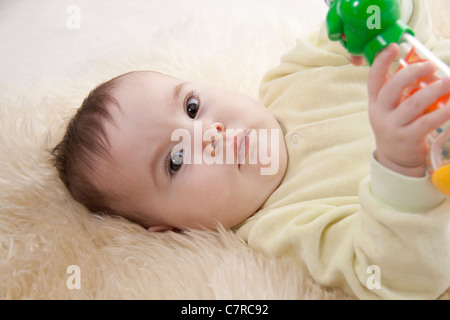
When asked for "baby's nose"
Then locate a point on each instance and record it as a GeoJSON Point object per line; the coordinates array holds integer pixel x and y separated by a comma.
{"type": "Point", "coordinates": [219, 126]}
{"type": "Point", "coordinates": [212, 136]}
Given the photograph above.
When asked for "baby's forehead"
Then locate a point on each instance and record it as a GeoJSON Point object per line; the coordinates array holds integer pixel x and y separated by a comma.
{"type": "Point", "coordinates": [139, 87]}
{"type": "Point", "coordinates": [150, 77]}
{"type": "Point", "coordinates": [143, 87]}
{"type": "Point", "coordinates": [141, 97]}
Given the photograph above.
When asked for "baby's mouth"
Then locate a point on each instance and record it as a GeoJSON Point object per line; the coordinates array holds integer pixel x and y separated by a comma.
{"type": "Point", "coordinates": [241, 147]}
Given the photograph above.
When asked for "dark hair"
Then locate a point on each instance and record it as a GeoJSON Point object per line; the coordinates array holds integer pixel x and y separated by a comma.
{"type": "Point", "coordinates": [84, 145]}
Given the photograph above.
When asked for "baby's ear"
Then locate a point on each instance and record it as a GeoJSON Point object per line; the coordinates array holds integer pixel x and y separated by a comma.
{"type": "Point", "coordinates": [160, 228]}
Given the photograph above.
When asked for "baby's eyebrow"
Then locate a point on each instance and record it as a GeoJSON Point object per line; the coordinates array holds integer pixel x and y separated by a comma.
{"type": "Point", "coordinates": [177, 90]}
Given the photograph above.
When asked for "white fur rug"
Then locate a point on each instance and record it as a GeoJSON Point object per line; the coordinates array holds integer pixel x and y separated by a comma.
{"type": "Point", "coordinates": [43, 232]}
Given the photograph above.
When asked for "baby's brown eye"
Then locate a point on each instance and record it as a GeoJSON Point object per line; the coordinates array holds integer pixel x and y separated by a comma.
{"type": "Point", "coordinates": [192, 105]}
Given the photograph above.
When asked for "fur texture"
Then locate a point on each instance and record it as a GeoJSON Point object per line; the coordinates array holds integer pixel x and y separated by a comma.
{"type": "Point", "coordinates": [43, 231]}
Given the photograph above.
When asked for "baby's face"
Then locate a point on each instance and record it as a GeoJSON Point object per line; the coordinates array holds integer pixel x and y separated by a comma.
{"type": "Point", "coordinates": [186, 155]}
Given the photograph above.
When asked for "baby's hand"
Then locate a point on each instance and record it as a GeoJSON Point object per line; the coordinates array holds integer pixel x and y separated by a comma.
{"type": "Point", "coordinates": [401, 129]}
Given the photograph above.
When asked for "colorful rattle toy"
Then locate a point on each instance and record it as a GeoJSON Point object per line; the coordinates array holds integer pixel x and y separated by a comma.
{"type": "Point", "coordinates": [365, 28]}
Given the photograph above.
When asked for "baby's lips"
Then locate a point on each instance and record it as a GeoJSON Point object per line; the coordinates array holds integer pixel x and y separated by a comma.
{"type": "Point", "coordinates": [241, 146]}
{"type": "Point", "coordinates": [236, 141]}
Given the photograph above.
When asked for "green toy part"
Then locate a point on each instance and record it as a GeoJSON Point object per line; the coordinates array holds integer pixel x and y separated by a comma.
{"type": "Point", "coordinates": [365, 27]}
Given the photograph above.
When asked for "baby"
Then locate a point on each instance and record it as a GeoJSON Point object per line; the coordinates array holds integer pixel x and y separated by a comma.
{"type": "Point", "coordinates": [122, 155]}
{"type": "Point", "coordinates": [173, 155]}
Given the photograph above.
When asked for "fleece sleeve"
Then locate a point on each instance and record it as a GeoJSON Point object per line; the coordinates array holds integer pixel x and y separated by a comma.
{"type": "Point", "coordinates": [362, 246]}
{"type": "Point", "coordinates": [401, 192]}
{"type": "Point", "coordinates": [403, 229]}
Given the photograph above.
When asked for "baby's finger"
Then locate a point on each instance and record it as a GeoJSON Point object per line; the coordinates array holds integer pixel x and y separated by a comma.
{"type": "Point", "coordinates": [391, 94]}
{"type": "Point", "coordinates": [357, 60]}
{"type": "Point", "coordinates": [415, 106]}
{"type": "Point", "coordinates": [431, 121]}
{"type": "Point", "coordinates": [379, 71]}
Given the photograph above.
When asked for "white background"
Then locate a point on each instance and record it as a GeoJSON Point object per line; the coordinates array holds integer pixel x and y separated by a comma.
{"type": "Point", "coordinates": [35, 42]}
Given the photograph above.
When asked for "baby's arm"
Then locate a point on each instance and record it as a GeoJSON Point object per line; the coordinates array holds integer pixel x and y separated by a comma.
{"type": "Point", "coordinates": [400, 222]}
{"type": "Point", "coordinates": [401, 130]}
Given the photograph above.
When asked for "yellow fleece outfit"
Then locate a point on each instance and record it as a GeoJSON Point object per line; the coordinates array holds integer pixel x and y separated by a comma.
{"type": "Point", "coordinates": [339, 213]}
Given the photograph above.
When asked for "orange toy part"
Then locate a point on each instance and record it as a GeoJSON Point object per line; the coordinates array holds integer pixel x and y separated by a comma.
{"type": "Point", "coordinates": [411, 58]}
